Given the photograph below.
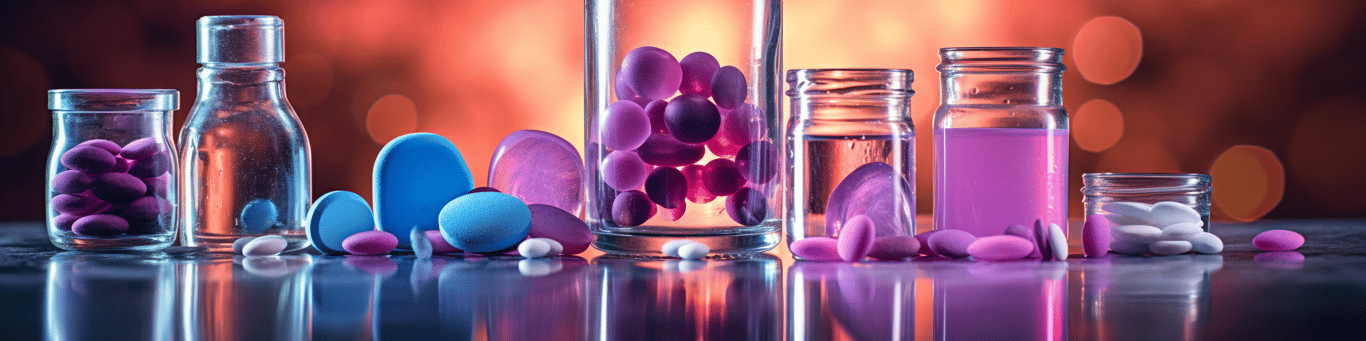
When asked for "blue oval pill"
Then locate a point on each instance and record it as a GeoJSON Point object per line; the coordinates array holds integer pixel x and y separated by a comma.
{"type": "Point", "coordinates": [415, 176]}
{"type": "Point", "coordinates": [335, 216]}
{"type": "Point", "coordinates": [485, 222]}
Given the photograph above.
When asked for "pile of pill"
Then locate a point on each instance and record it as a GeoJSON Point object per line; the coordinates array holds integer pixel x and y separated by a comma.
{"type": "Point", "coordinates": [856, 241]}
{"type": "Point", "coordinates": [864, 218]}
{"type": "Point", "coordinates": [109, 190]}
{"type": "Point", "coordinates": [1164, 228]}
{"type": "Point", "coordinates": [685, 249]}
{"type": "Point", "coordinates": [650, 133]}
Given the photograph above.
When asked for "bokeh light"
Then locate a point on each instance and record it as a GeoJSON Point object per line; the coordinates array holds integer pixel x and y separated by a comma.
{"type": "Point", "coordinates": [1097, 125]}
{"type": "Point", "coordinates": [391, 116]}
{"type": "Point", "coordinates": [1107, 49]}
{"type": "Point", "coordinates": [1249, 181]}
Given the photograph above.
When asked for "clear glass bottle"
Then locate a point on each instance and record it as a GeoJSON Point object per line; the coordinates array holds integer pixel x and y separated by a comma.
{"type": "Point", "coordinates": [247, 165]}
{"type": "Point", "coordinates": [1000, 139]}
{"type": "Point", "coordinates": [850, 151]}
{"type": "Point", "coordinates": [110, 183]}
{"type": "Point", "coordinates": [1188, 189]}
{"type": "Point", "coordinates": [681, 124]}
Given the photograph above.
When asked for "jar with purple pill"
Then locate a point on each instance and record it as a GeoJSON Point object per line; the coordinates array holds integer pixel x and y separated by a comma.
{"type": "Point", "coordinates": [850, 152]}
{"type": "Point", "coordinates": [681, 124]}
{"type": "Point", "coordinates": [110, 176]}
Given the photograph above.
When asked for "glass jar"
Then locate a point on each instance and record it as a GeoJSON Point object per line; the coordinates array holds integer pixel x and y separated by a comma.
{"type": "Point", "coordinates": [247, 165]}
{"type": "Point", "coordinates": [850, 151]}
{"type": "Point", "coordinates": [109, 176]}
{"type": "Point", "coordinates": [1000, 140]}
{"type": "Point", "coordinates": [681, 124]}
{"type": "Point", "coordinates": [1149, 188]}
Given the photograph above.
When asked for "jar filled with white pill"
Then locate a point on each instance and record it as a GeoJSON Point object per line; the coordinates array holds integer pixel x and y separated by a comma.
{"type": "Point", "coordinates": [1154, 199]}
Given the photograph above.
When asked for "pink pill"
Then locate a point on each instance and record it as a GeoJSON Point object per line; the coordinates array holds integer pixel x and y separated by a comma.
{"type": "Point", "coordinates": [624, 170]}
{"type": "Point", "coordinates": [697, 190]}
{"type": "Point", "coordinates": [71, 182]}
{"type": "Point", "coordinates": [895, 248]}
{"type": "Point", "coordinates": [625, 127]}
{"type": "Point", "coordinates": [439, 244]}
{"type": "Point", "coordinates": [1002, 247]}
{"type": "Point", "coordinates": [924, 239]}
{"type": "Point", "coordinates": [100, 225]}
{"type": "Point", "coordinates": [78, 204]}
{"type": "Point", "coordinates": [1026, 233]}
{"type": "Point", "coordinates": [856, 239]}
{"type": "Point", "coordinates": [1095, 236]}
{"type": "Point", "coordinates": [651, 72]}
{"type": "Point", "coordinates": [107, 145]}
{"type": "Point", "coordinates": [698, 69]}
{"type": "Point", "coordinates": [141, 149]}
{"type": "Point", "coordinates": [1278, 240]}
{"type": "Point", "coordinates": [88, 159]}
{"type": "Point", "coordinates": [952, 243]}
{"type": "Point", "coordinates": [557, 224]}
{"type": "Point", "coordinates": [820, 249]}
{"type": "Point", "coordinates": [370, 243]}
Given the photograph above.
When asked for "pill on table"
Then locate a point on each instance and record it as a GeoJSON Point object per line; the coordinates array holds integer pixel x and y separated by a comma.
{"type": "Point", "coordinates": [151, 167]}
{"type": "Point", "coordinates": [698, 69]}
{"type": "Point", "coordinates": [1136, 233]}
{"type": "Point", "coordinates": [1136, 210]}
{"type": "Point", "coordinates": [147, 208]}
{"type": "Point", "coordinates": [1205, 242]}
{"type": "Point", "coordinates": [693, 250]}
{"type": "Point", "coordinates": [563, 227]}
{"type": "Point", "coordinates": [141, 149]}
{"type": "Point", "coordinates": [1041, 240]}
{"type": "Point", "coordinates": [1057, 242]}
{"type": "Point", "coordinates": [1169, 247]}
{"type": "Point", "coordinates": [241, 243]}
{"type": "Point", "coordinates": [671, 248]}
{"type": "Point", "coordinates": [896, 248]}
{"type": "Point", "coordinates": [334, 217]}
{"type": "Point", "coordinates": [556, 248]}
{"type": "Point", "coordinates": [370, 243]}
{"type": "Point", "coordinates": [269, 245]}
{"type": "Point", "coordinates": [691, 119]}
{"type": "Point", "coordinates": [924, 239]}
{"type": "Point", "coordinates": [651, 72]}
{"type": "Point", "coordinates": [109, 146]}
{"type": "Point", "coordinates": [1026, 233]}
{"type": "Point", "coordinates": [1128, 248]}
{"type": "Point", "coordinates": [78, 204]}
{"type": "Point", "coordinates": [728, 87]}
{"type": "Point", "coordinates": [1095, 236]}
{"type": "Point", "coordinates": [533, 248]}
{"type": "Point", "coordinates": [439, 244]}
{"type": "Point", "coordinates": [952, 243]}
{"type": "Point", "coordinates": [1278, 240]}
{"type": "Point", "coordinates": [539, 168]}
{"type": "Point", "coordinates": [747, 206]}
{"type": "Point", "coordinates": [485, 222]}
{"type": "Point", "coordinates": [88, 159]}
{"type": "Point", "coordinates": [422, 247]}
{"type": "Point", "coordinates": [415, 176]}
{"type": "Point", "coordinates": [1000, 247]}
{"type": "Point", "coordinates": [258, 215]}
{"type": "Point", "coordinates": [100, 225]}
{"type": "Point", "coordinates": [856, 238]}
{"type": "Point", "coordinates": [71, 182]}
{"type": "Point", "coordinates": [1180, 231]}
{"type": "Point", "coordinates": [820, 249]}
{"type": "Point", "coordinates": [118, 187]}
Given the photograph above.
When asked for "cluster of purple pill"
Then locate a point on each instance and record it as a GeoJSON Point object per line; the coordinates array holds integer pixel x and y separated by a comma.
{"type": "Point", "coordinates": [668, 114]}
{"type": "Point", "coordinates": [107, 190]}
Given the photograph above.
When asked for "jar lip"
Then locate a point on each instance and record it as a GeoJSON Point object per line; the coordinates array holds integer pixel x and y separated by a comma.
{"type": "Point", "coordinates": [113, 99]}
{"type": "Point", "coordinates": [1147, 175]}
{"type": "Point", "coordinates": [850, 82]}
{"type": "Point", "coordinates": [999, 59]}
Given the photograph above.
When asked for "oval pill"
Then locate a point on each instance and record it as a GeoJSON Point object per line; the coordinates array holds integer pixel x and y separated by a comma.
{"type": "Point", "coordinates": [820, 249]}
{"type": "Point", "coordinates": [1206, 242]}
{"type": "Point", "coordinates": [1169, 247]}
{"type": "Point", "coordinates": [1137, 233]}
{"type": "Point", "coordinates": [1278, 240]}
{"type": "Point", "coordinates": [952, 243]}
{"type": "Point", "coordinates": [1001, 247]}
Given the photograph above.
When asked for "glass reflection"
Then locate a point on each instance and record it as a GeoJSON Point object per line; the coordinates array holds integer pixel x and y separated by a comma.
{"type": "Point", "coordinates": [1017, 300]}
{"type": "Point", "coordinates": [659, 299]}
{"type": "Point", "coordinates": [246, 298]}
{"type": "Point", "coordinates": [851, 301]}
{"type": "Point", "coordinates": [109, 296]}
{"type": "Point", "coordinates": [1149, 298]}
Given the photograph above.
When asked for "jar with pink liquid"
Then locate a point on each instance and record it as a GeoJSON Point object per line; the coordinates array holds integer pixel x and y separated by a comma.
{"type": "Point", "coordinates": [1000, 139]}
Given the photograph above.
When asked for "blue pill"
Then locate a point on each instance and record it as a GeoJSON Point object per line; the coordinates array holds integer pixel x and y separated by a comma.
{"type": "Point", "coordinates": [335, 216]}
{"type": "Point", "coordinates": [485, 222]}
{"type": "Point", "coordinates": [258, 216]}
{"type": "Point", "coordinates": [415, 176]}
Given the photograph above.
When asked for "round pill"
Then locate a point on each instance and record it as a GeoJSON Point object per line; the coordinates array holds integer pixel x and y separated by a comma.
{"type": "Point", "coordinates": [100, 225]}
{"type": "Point", "coordinates": [1136, 233]}
{"type": "Point", "coordinates": [141, 149]}
{"type": "Point", "coordinates": [698, 69]}
{"type": "Point", "coordinates": [117, 187]}
{"type": "Point", "coordinates": [78, 204]}
{"type": "Point", "coordinates": [258, 215]}
{"type": "Point", "coordinates": [1057, 242]}
{"type": "Point", "coordinates": [692, 119]}
{"type": "Point", "coordinates": [533, 248]}
{"type": "Point", "coordinates": [665, 150]}
{"type": "Point", "coordinates": [1180, 231]}
{"type": "Point", "coordinates": [697, 189]}
{"type": "Point", "coordinates": [370, 243]}
{"type": "Point", "coordinates": [952, 243]}
{"type": "Point", "coordinates": [71, 182]}
{"type": "Point", "coordinates": [819, 249]}
{"type": "Point", "coordinates": [1168, 213]}
{"type": "Point", "coordinates": [109, 146]}
{"type": "Point", "coordinates": [1278, 240]}
{"type": "Point", "coordinates": [485, 222]}
{"type": "Point", "coordinates": [64, 221]}
{"type": "Point", "coordinates": [1095, 236]}
{"type": "Point", "coordinates": [693, 250]}
{"type": "Point", "coordinates": [1169, 247]}
{"type": "Point", "coordinates": [625, 126]}
{"type": "Point", "coordinates": [667, 187]}
{"type": "Point", "coordinates": [334, 217]}
{"type": "Point", "coordinates": [1041, 240]}
{"type": "Point", "coordinates": [147, 207]}
{"type": "Point", "coordinates": [722, 177]}
{"type": "Point", "coordinates": [896, 248]}
{"type": "Point", "coordinates": [671, 248]}
{"type": "Point", "coordinates": [422, 247]}
{"type": "Point", "coordinates": [269, 245]}
{"type": "Point", "coordinates": [151, 167]}
{"type": "Point", "coordinates": [624, 170]}
{"type": "Point", "coordinates": [632, 208]}
{"type": "Point", "coordinates": [728, 87]}
{"type": "Point", "coordinates": [758, 161]}
{"type": "Point", "coordinates": [739, 127]}
{"type": "Point", "coordinates": [651, 72]}
{"type": "Point", "coordinates": [856, 238]}
{"type": "Point", "coordinates": [539, 168]}
{"type": "Point", "coordinates": [240, 243]}
{"type": "Point", "coordinates": [747, 207]}
{"type": "Point", "coordinates": [415, 176]}
{"type": "Point", "coordinates": [88, 159]}
{"type": "Point", "coordinates": [564, 228]}
{"type": "Point", "coordinates": [924, 239]}
{"type": "Point", "coordinates": [624, 91]}
{"type": "Point", "coordinates": [439, 244]}
{"type": "Point", "coordinates": [1001, 247]}
{"type": "Point", "coordinates": [1205, 242]}
{"type": "Point", "coordinates": [1128, 248]}
{"type": "Point", "coordinates": [655, 111]}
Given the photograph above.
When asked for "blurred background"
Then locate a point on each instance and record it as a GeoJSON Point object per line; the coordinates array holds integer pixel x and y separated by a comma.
{"type": "Point", "coordinates": [1265, 96]}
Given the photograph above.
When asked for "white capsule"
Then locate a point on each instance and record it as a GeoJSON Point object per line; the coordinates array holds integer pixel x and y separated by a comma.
{"type": "Point", "coordinates": [1058, 242]}
{"type": "Point", "coordinates": [555, 247]}
{"type": "Point", "coordinates": [1118, 220]}
{"type": "Point", "coordinates": [265, 246]}
{"type": "Point", "coordinates": [671, 248]}
{"type": "Point", "coordinates": [240, 243]}
{"type": "Point", "coordinates": [422, 246]}
{"type": "Point", "coordinates": [693, 250]}
{"type": "Point", "coordinates": [1206, 242]}
{"type": "Point", "coordinates": [1137, 210]}
{"type": "Point", "coordinates": [1136, 233]}
{"type": "Point", "coordinates": [1168, 213]}
{"type": "Point", "coordinates": [1182, 231]}
{"type": "Point", "coordinates": [1169, 247]}
{"type": "Point", "coordinates": [533, 248]}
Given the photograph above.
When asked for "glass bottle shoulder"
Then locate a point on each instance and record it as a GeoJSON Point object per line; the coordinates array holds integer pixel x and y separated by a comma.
{"type": "Point", "coordinates": [1001, 116]}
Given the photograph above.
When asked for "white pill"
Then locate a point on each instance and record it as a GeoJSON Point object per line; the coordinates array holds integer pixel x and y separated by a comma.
{"type": "Point", "coordinates": [1169, 247]}
{"type": "Point", "coordinates": [555, 247]}
{"type": "Point", "coordinates": [1182, 231]}
{"type": "Point", "coordinates": [1206, 242]}
{"type": "Point", "coordinates": [1136, 233]}
{"type": "Point", "coordinates": [1058, 242]}
{"type": "Point", "coordinates": [1128, 248]}
{"type": "Point", "coordinates": [533, 248]}
{"type": "Point", "coordinates": [1118, 220]}
{"type": "Point", "coordinates": [1168, 213]}
{"type": "Point", "coordinates": [693, 250]}
{"type": "Point", "coordinates": [1137, 210]}
{"type": "Point", "coordinates": [265, 246]}
{"type": "Point", "coordinates": [671, 248]}
{"type": "Point", "coordinates": [240, 243]}
{"type": "Point", "coordinates": [422, 246]}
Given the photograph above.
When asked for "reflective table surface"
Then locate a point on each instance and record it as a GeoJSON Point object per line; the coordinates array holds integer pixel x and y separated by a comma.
{"type": "Point", "coordinates": [1241, 294]}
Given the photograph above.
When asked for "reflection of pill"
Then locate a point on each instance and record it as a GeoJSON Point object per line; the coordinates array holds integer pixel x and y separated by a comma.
{"type": "Point", "coordinates": [71, 182]}
{"type": "Point", "coordinates": [100, 225]}
{"type": "Point", "coordinates": [258, 216]}
{"type": "Point", "coordinates": [88, 159]}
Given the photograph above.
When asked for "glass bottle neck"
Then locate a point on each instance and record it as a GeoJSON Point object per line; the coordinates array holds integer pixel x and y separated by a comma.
{"type": "Point", "coordinates": [242, 82]}
{"type": "Point", "coordinates": [851, 94]}
{"type": "Point", "coordinates": [1001, 76]}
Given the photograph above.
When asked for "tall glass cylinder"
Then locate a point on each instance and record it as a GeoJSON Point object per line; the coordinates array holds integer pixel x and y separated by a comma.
{"type": "Point", "coordinates": [1000, 139]}
{"type": "Point", "coordinates": [681, 121]}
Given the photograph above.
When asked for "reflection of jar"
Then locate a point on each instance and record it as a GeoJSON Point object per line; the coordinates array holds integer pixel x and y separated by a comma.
{"type": "Point", "coordinates": [109, 177]}
{"type": "Point", "coordinates": [681, 123]}
{"type": "Point", "coordinates": [1187, 189]}
{"type": "Point", "coordinates": [1000, 301]}
{"type": "Point", "coordinates": [246, 298]}
{"type": "Point", "coordinates": [1159, 298]}
{"type": "Point", "coordinates": [101, 296]}
{"type": "Point", "coordinates": [648, 299]}
{"type": "Point", "coordinates": [850, 151]}
{"type": "Point", "coordinates": [851, 301]}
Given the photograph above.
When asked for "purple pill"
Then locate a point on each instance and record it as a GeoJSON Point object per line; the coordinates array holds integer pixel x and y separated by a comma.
{"type": "Point", "coordinates": [370, 243]}
{"type": "Point", "coordinates": [1278, 240]}
{"type": "Point", "coordinates": [856, 240]}
{"type": "Point", "coordinates": [664, 150]}
{"type": "Point", "coordinates": [118, 187]}
{"type": "Point", "coordinates": [78, 204]}
{"type": "Point", "coordinates": [539, 168]}
{"type": "Point", "coordinates": [1095, 236]}
{"type": "Point", "coordinates": [739, 127]}
{"type": "Point", "coordinates": [1028, 234]}
{"type": "Point", "coordinates": [148, 207]}
{"type": "Point", "coordinates": [875, 190]}
{"type": "Point", "coordinates": [1041, 240]}
{"type": "Point", "coordinates": [563, 227]}
{"type": "Point", "coordinates": [722, 177]}
{"type": "Point", "coordinates": [625, 127]}
{"type": "Point", "coordinates": [107, 145]}
{"type": "Point", "coordinates": [747, 206]}
{"type": "Point", "coordinates": [673, 214]}
{"type": "Point", "coordinates": [71, 182]}
{"type": "Point", "coordinates": [924, 239]}
{"type": "Point", "coordinates": [698, 69]}
{"type": "Point", "coordinates": [64, 221]}
{"type": "Point", "coordinates": [439, 243]}
{"type": "Point", "coordinates": [121, 165]}
{"type": "Point", "coordinates": [692, 119]}
{"type": "Point", "coordinates": [144, 226]}
{"type": "Point", "coordinates": [952, 243]}
{"type": "Point", "coordinates": [141, 149]}
{"type": "Point", "coordinates": [895, 248]}
{"type": "Point", "coordinates": [655, 110]}
{"type": "Point", "coordinates": [483, 189]}
{"type": "Point", "coordinates": [100, 225]}
{"type": "Point", "coordinates": [651, 72]}
{"type": "Point", "coordinates": [151, 167]}
{"type": "Point", "coordinates": [728, 87]}
{"type": "Point", "coordinates": [157, 186]}
{"type": "Point", "coordinates": [632, 208]}
{"type": "Point", "coordinates": [624, 170]}
{"type": "Point", "coordinates": [697, 190]}
{"type": "Point", "coordinates": [819, 249]}
{"type": "Point", "coordinates": [667, 187]}
{"type": "Point", "coordinates": [1001, 247]}
{"type": "Point", "coordinates": [88, 159]}
{"type": "Point", "coordinates": [757, 161]}
{"type": "Point", "coordinates": [624, 92]}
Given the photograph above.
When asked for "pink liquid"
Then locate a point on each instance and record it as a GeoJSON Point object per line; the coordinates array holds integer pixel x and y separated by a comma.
{"type": "Point", "coordinates": [989, 178]}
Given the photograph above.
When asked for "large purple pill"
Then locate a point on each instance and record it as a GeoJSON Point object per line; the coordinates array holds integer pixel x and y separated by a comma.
{"type": "Point", "coordinates": [118, 187]}
{"type": "Point", "coordinates": [692, 119]}
{"type": "Point", "coordinates": [110, 146]}
{"type": "Point", "coordinates": [625, 127]}
{"type": "Point", "coordinates": [624, 92]}
{"type": "Point", "coordinates": [655, 110]}
{"type": "Point", "coordinates": [739, 127]}
{"type": "Point", "coordinates": [141, 149]}
{"type": "Point", "coordinates": [152, 166]}
{"type": "Point", "coordinates": [651, 72]}
{"type": "Point", "coordinates": [697, 189]}
{"type": "Point", "coordinates": [157, 186]}
{"type": "Point", "coordinates": [665, 150]}
{"type": "Point", "coordinates": [100, 225]}
{"type": "Point", "coordinates": [71, 182]}
{"type": "Point", "coordinates": [747, 206]}
{"type": "Point", "coordinates": [144, 226]}
{"type": "Point", "coordinates": [698, 69]}
{"type": "Point", "coordinates": [667, 187]}
{"type": "Point", "coordinates": [624, 170]}
{"type": "Point", "coordinates": [566, 228]}
{"type": "Point", "coordinates": [873, 190]}
{"type": "Point", "coordinates": [88, 159]}
{"type": "Point", "coordinates": [538, 168]}
{"type": "Point", "coordinates": [121, 165]}
{"type": "Point", "coordinates": [64, 221]}
{"type": "Point", "coordinates": [758, 161]}
{"type": "Point", "coordinates": [722, 177]}
{"type": "Point", "coordinates": [78, 204]}
{"type": "Point", "coordinates": [148, 207]}
{"type": "Point", "coordinates": [728, 87]}
{"type": "Point", "coordinates": [632, 208]}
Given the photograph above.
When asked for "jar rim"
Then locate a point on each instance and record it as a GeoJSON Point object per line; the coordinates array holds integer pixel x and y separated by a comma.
{"type": "Point", "coordinates": [1000, 59]}
{"type": "Point", "coordinates": [850, 82]}
{"type": "Point", "coordinates": [113, 99]}
{"type": "Point", "coordinates": [1109, 175]}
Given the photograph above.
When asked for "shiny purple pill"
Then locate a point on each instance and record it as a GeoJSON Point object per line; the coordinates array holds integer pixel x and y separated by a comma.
{"type": "Point", "coordinates": [728, 87]}
{"type": "Point", "coordinates": [667, 187]}
{"type": "Point", "coordinates": [692, 119]}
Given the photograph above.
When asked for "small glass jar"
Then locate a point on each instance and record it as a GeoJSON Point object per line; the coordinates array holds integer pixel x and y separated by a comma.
{"type": "Point", "coordinates": [1188, 189]}
{"type": "Point", "coordinates": [681, 124]}
{"type": "Point", "coordinates": [110, 182]}
{"type": "Point", "coordinates": [850, 151]}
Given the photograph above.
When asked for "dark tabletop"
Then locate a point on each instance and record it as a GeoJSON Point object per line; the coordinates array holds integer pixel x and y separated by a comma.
{"type": "Point", "coordinates": [1241, 294]}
